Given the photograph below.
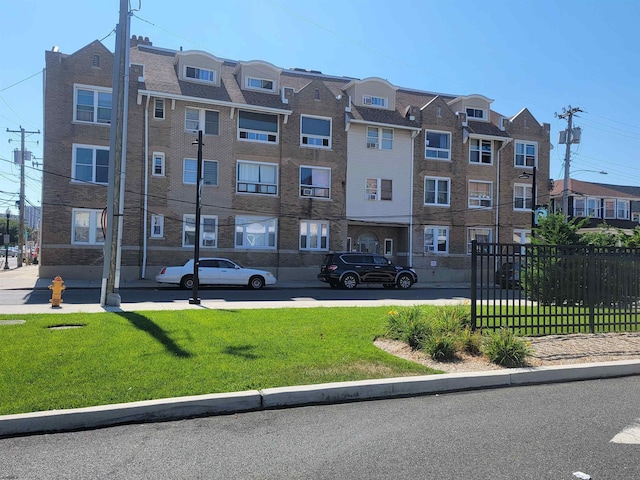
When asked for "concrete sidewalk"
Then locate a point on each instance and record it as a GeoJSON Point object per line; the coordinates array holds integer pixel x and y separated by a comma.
{"type": "Point", "coordinates": [227, 403]}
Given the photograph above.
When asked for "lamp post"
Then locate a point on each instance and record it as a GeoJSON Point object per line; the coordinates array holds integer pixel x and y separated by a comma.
{"type": "Point", "coordinates": [7, 238]}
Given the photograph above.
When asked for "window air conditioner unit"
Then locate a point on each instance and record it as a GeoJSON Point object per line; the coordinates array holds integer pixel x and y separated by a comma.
{"type": "Point", "coordinates": [372, 145]}
{"type": "Point", "coordinates": [306, 192]}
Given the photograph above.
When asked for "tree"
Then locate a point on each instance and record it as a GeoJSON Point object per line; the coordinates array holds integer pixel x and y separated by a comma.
{"type": "Point", "coordinates": [555, 230]}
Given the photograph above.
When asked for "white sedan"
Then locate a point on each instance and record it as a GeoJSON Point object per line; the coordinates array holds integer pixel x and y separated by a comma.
{"type": "Point", "coordinates": [216, 271]}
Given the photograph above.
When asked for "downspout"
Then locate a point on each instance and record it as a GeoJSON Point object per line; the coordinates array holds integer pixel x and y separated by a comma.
{"type": "Point", "coordinates": [504, 144]}
{"type": "Point", "coordinates": [413, 148]}
{"type": "Point", "coordinates": [146, 187]}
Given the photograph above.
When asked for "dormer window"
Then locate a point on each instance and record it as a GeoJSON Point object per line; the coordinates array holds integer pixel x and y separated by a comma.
{"type": "Point", "coordinates": [259, 83]}
{"type": "Point", "coordinates": [200, 74]}
{"type": "Point", "coordinates": [476, 113]}
{"type": "Point", "coordinates": [372, 101]}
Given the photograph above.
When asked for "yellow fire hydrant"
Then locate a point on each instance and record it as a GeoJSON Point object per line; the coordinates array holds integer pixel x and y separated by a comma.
{"type": "Point", "coordinates": [56, 291]}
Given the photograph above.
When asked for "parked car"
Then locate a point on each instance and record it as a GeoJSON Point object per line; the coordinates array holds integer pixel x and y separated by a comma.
{"type": "Point", "coordinates": [12, 252]}
{"type": "Point", "coordinates": [348, 269]}
{"type": "Point", "coordinates": [216, 271]}
{"type": "Point", "coordinates": [508, 275]}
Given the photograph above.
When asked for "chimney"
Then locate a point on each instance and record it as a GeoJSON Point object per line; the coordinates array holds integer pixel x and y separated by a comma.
{"type": "Point", "coordinates": [138, 40]}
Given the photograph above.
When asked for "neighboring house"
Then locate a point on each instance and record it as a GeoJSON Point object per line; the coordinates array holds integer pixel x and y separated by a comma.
{"type": "Point", "coordinates": [616, 205]}
{"type": "Point", "coordinates": [295, 164]}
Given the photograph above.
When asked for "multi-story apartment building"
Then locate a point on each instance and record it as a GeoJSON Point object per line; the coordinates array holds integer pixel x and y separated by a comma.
{"type": "Point", "coordinates": [295, 164]}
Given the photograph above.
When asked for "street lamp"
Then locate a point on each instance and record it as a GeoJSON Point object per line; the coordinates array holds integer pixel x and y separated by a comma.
{"type": "Point", "coordinates": [7, 238]}
{"type": "Point", "coordinates": [601, 172]}
{"type": "Point", "coordinates": [533, 195]}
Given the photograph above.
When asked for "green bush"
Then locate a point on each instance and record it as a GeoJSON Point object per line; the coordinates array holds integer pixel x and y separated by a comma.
{"type": "Point", "coordinates": [440, 346]}
{"type": "Point", "coordinates": [408, 325]}
{"type": "Point", "coordinates": [502, 347]}
{"type": "Point", "coordinates": [470, 342]}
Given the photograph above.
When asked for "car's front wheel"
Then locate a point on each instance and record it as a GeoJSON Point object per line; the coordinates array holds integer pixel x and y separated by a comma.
{"type": "Point", "coordinates": [187, 282]}
{"type": "Point", "coordinates": [404, 281]}
{"type": "Point", "coordinates": [256, 282]}
{"type": "Point", "coordinates": [349, 281]}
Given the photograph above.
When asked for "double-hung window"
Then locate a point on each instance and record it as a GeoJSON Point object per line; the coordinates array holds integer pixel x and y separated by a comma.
{"type": "Point", "coordinates": [579, 207]}
{"type": "Point", "coordinates": [378, 189]}
{"type": "Point", "coordinates": [260, 83]}
{"type": "Point", "coordinates": [87, 227]}
{"type": "Point", "coordinates": [157, 226]}
{"type": "Point", "coordinates": [208, 230]}
{"type": "Point", "coordinates": [257, 127]}
{"type": "Point", "coordinates": [157, 168]}
{"type": "Point", "coordinates": [480, 235]}
{"type": "Point", "coordinates": [593, 207]}
{"type": "Point", "coordinates": [609, 208]}
{"type": "Point", "coordinates": [158, 108]}
{"type": "Point", "coordinates": [480, 194]}
{"type": "Point", "coordinates": [90, 164]}
{"type": "Point", "coordinates": [437, 145]}
{"type": "Point", "coordinates": [436, 239]}
{"type": "Point", "coordinates": [314, 235]}
{"type": "Point", "coordinates": [623, 209]}
{"type": "Point", "coordinates": [200, 74]}
{"type": "Point", "coordinates": [256, 177]}
{"type": "Point", "coordinates": [437, 191]}
{"type": "Point", "coordinates": [200, 119]}
{"type": "Point", "coordinates": [315, 182]}
{"type": "Point", "coordinates": [315, 132]}
{"type": "Point", "coordinates": [92, 104]}
{"type": "Point", "coordinates": [209, 172]}
{"type": "Point", "coordinates": [480, 151]}
{"type": "Point", "coordinates": [522, 197]}
{"type": "Point", "coordinates": [380, 138]}
{"type": "Point", "coordinates": [256, 232]}
{"type": "Point", "coordinates": [526, 154]}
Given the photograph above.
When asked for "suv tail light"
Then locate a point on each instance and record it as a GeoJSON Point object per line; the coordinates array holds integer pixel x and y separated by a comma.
{"type": "Point", "coordinates": [331, 268]}
{"type": "Point", "coordinates": [164, 269]}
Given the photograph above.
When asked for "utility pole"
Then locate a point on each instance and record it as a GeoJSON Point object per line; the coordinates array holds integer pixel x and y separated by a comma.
{"type": "Point", "coordinates": [117, 160]}
{"type": "Point", "coordinates": [21, 209]}
{"type": "Point", "coordinates": [195, 300]}
{"type": "Point", "coordinates": [569, 137]}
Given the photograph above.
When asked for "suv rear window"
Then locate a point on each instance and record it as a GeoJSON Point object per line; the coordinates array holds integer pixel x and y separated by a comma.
{"type": "Point", "coordinates": [357, 259]}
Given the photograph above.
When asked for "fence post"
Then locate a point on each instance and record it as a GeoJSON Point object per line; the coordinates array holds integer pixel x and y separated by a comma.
{"type": "Point", "coordinates": [474, 283]}
{"type": "Point", "coordinates": [591, 282]}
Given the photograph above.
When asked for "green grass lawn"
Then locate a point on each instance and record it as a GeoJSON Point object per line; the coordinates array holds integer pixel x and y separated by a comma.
{"type": "Point", "coordinates": [124, 357]}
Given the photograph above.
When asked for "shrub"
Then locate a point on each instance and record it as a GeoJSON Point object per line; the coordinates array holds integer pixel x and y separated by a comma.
{"type": "Point", "coordinates": [408, 325]}
{"type": "Point", "coordinates": [504, 348]}
{"type": "Point", "coordinates": [440, 346]}
{"type": "Point", "coordinates": [470, 342]}
{"type": "Point", "coordinates": [452, 318]}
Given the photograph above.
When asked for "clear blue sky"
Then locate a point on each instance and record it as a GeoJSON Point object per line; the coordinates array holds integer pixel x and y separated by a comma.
{"type": "Point", "coordinates": [543, 55]}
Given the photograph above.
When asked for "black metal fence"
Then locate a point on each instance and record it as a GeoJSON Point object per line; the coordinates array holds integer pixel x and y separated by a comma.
{"type": "Point", "coordinates": [553, 289]}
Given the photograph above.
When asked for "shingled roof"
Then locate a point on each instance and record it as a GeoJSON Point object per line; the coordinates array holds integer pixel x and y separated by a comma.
{"type": "Point", "coordinates": [600, 190]}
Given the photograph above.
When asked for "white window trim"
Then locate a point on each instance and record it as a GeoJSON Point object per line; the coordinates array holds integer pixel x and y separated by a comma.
{"type": "Point", "coordinates": [378, 193]}
{"type": "Point", "coordinates": [238, 182]}
{"type": "Point", "coordinates": [372, 101]}
{"type": "Point", "coordinates": [195, 160]}
{"type": "Point", "coordinates": [528, 194]}
{"type": "Point", "coordinates": [164, 105]}
{"type": "Point", "coordinates": [591, 202]}
{"type": "Point", "coordinates": [379, 144]}
{"type": "Point", "coordinates": [202, 116]}
{"type": "Point", "coordinates": [484, 117]}
{"type": "Point", "coordinates": [156, 155]}
{"type": "Point", "coordinates": [250, 132]}
{"type": "Point", "coordinates": [604, 208]}
{"type": "Point", "coordinates": [434, 246]}
{"type": "Point", "coordinates": [247, 220]}
{"type": "Point", "coordinates": [480, 162]}
{"type": "Point", "coordinates": [469, 239]}
{"type": "Point", "coordinates": [94, 223]}
{"type": "Point", "coordinates": [247, 82]}
{"type": "Point", "coordinates": [202, 232]}
{"type": "Point", "coordinates": [200, 80]}
{"type": "Point", "coordinates": [388, 246]}
{"type": "Point", "coordinates": [515, 154]}
{"type": "Point", "coordinates": [320, 137]}
{"type": "Point", "coordinates": [320, 225]}
{"type": "Point", "coordinates": [627, 209]}
{"type": "Point", "coordinates": [95, 90]}
{"type": "Point", "coordinates": [74, 148]}
{"type": "Point", "coordinates": [304, 189]}
{"type": "Point", "coordinates": [160, 223]}
{"type": "Point", "coordinates": [437, 149]}
{"type": "Point", "coordinates": [522, 234]}
{"type": "Point", "coordinates": [437, 179]}
{"type": "Point", "coordinates": [480, 199]}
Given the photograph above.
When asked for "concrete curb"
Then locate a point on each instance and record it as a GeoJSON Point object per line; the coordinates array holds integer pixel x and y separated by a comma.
{"type": "Point", "coordinates": [284, 397]}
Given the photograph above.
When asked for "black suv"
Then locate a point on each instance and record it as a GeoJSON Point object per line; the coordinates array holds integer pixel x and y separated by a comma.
{"type": "Point", "coordinates": [348, 269]}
